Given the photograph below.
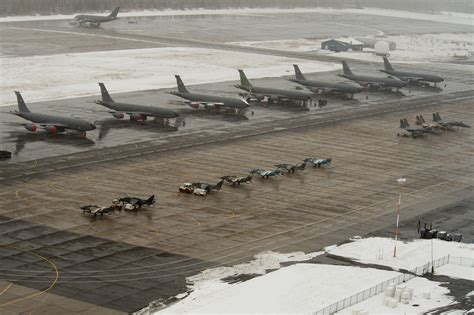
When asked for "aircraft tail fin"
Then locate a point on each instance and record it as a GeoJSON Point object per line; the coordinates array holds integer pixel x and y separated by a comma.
{"type": "Point", "coordinates": [150, 200]}
{"type": "Point", "coordinates": [181, 87]}
{"type": "Point", "coordinates": [21, 103]}
{"type": "Point", "coordinates": [405, 122]}
{"type": "Point", "coordinates": [346, 69]}
{"type": "Point", "coordinates": [105, 94]}
{"type": "Point", "coordinates": [436, 117]}
{"type": "Point", "coordinates": [419, 122]}
{"type": "Point", "coordinates": [402, 124]}
{"type": "Point", "coordinates": [114, 12]}
{"type": "Point", "coordinates": [422, 119]}
{"type": "Point", "coordinates": [298, 74]}
{"type": "Point", "coordinates": [387, 64]}
{"type": "Point", "coordinates": [243, 79]}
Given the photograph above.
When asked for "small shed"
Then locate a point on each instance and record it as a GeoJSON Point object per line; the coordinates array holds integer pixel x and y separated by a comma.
{"type": "Point", "coordinates": [341, 45]}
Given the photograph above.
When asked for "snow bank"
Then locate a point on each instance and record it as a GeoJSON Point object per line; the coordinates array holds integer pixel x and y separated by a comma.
{"type": "Point", "coordinates": [72, 75]}
{"type": "Point", "coordinates": [410, 48]}
{"type": "Point", "coordinates": [300, 288]}
{"type": "Point", "coordinates": [438, 298]}
{"type": "Point", "coordinates": [379, 251]}
{"type": "Point", "coordinates": [444, 17]}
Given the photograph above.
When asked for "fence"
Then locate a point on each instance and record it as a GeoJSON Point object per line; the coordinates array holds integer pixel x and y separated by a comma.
{"type": "Point", "coordinates": [379, 288]}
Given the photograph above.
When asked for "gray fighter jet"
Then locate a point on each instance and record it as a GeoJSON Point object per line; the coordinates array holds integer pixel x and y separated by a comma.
{"type": "Point", "coordinates": [95, 20]}
{"type": "Point", "coordinates": [416, 132]}
{"type": "Point", "coordinates": [50, 123]}
{"type": "Point", "coordinates": [324, 87]}
{"type": "Point", "coordinates": [136, 112]}
{"type": "Point", "coordinates": [449, 124]}
{"type": "Point", "coordinates": [410, 77]}
{"type": "Point", "coordinates": [369, 81]}
{"type": "Point", "coordinates": [210, 102]}
{"type": "Point", "coordinates": [271, 94]}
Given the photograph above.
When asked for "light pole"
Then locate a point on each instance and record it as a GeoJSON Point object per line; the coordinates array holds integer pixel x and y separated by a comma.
{"type": "Point", "coordinates": [400, 181]}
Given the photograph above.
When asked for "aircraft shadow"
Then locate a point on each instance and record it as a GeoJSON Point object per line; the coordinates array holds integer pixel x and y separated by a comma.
{"type": "Point", "coordinates": [150, 125]}
{"type": "Point", "coordinates": [202, 113]}
{"type": "Point", "coordinates": [67, 139]}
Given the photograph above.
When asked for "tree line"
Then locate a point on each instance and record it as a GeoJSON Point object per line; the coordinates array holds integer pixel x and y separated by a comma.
{"type": "Point", "coordinates": [47, 7]}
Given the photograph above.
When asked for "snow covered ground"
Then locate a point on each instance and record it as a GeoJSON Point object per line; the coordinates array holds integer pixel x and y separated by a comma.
{"type": "Point", "coordinates": [72, 75]}
{"type": "Point", "coordinates": [410, 48]}
{"type": "Point", "coordinates": [379, 251]}
{"type": "Point", "coordinates": [445, 17]}
{"type": "Point", "coordinates": [297, 289]}
{"type": "Point", "coordinates": [438, 297]}
{"type": "Point", "coordinates": [304, 288]}
{"type": "Point", "coordinates": [456, 271]}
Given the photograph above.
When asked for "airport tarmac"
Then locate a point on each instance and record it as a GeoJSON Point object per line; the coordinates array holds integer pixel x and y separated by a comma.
{"type": "Point", "coordinates": [55, 259]}
{"type": "Point", "coordinates": [106, 261]}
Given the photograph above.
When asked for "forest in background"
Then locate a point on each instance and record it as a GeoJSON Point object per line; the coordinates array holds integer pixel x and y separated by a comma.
{"type": "Point", "coordinates": [47, 7]}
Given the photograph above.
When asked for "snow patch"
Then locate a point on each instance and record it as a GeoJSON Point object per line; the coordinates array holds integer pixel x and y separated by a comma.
{"type": "Point", "coordinates": [301, 288]}
{"type": "Point", "coordinates": [455, 271]}
{"type": "Point", "coordinates": [410, 48]}
{"type": "Point", "coordinates": [379, 251]}
{"type": "Point", "coordinates": [43, 78]}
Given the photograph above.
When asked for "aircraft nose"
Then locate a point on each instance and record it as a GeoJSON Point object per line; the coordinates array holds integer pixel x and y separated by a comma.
{"type": "Point", "coordinates": [92, 127]}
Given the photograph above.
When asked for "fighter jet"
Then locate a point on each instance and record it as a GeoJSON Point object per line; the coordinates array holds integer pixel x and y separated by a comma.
{"type": "Point", "coordinates": [271, 94]}
{"type": "Point", "coordinates": [50, 123]}
{"type": "Point", "coordinates": [449, 124]}
{"type": "Point", "coordinates": [369, 81]}
{"type": "Point", "coordinates": [290, 168]}
{"type": "Point", "coordinates": [324, 87]}
{"type": "Point", "coordinates": [135, 203]}
{"type": "Point", "coordinates": [95, 20]}
{"type": "Point", "coordinates": [200, 189]}
{"type": "Point", "coordinates": [95, 210]}
{"type": "Point", "coordinates": [207, 101]}
{"type": "Point", "coordinates": [415, 132]}
{"type": "Point", "coordinates": [318, 162]}
{"type": "Point", "coordinates": [237, 180]}
{"type": "Point", "coordinates": [410, 77]}
{"type": "Point", "coordinates": [266, 174]}
{"type": "Point", "coordinates": [136, 112]}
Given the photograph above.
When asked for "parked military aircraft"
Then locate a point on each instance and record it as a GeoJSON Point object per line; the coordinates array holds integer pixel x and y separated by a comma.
{"type": "Point", "coordinates": [410, 77]}
{"type": "Point", "coordinates": [266, 174]}
{"type": "Point", "coordinates": [211, 102]}
{"type": "Point", "coordinates": [290, 168]}
{"type": "Point", "coordinates": [50, 123]}
{"type": "Point", "coordinates": [135, 203]}
{"type": "Point", "coordinates": [200, 189]}
{"type": "Point", "coordinates": [369, 81]}
{"type": "Point", "coordinates": [271, 94]}
{"type": "Point", "coordinates": [95, 20]}
{"type": "Point", "coordinates": [136, 112]}
{"type": "Point", "coordinates": [449, 124]}
{"type": "Point", "coordinates": [318, 162]}
{"type": "Point", "coordinates": [95, 210]}
{"type": "Point", "coordinates": [415, 132]}
{"type": "Point", "coordinates": [237, 180]}
{"type": "Point", "coordinates": [324, 87]}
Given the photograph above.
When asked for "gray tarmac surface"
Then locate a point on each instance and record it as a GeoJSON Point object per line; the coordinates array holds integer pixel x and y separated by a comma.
{"type": "Point", "coordinates": [58, 260]}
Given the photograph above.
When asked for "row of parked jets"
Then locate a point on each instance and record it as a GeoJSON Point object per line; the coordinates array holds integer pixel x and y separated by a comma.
{"type": "Point", "coordinates": [59, 124]}
{"type": "Point", "coordinates": [435, 127]}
